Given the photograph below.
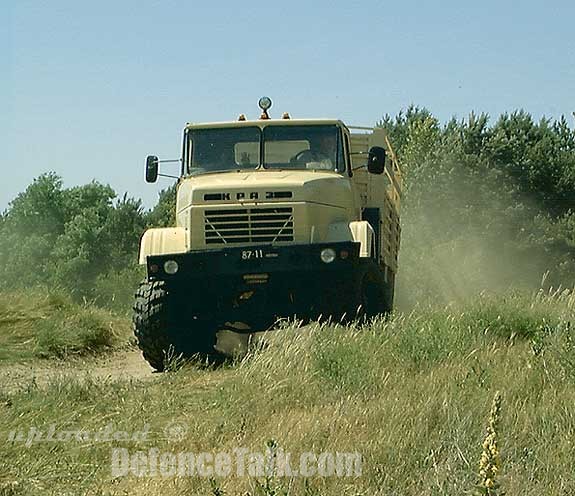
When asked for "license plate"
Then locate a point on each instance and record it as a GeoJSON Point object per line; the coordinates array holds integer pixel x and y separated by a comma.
{"type": "Point", "coordinates": [257, 254]}
{"type": "Point", "coordinates": [256, 278]}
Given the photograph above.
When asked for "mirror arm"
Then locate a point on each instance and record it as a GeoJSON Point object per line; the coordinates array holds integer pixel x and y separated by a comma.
{"type": "Point", "coordinates": [169, 161]}
{"type": "Point", "coordinates": [359, 166]}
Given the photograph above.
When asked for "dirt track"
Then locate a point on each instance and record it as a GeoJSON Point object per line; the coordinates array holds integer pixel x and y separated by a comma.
{"type": "Point", "coordinates": [125, 365]}
{"type": "Point", "coordinates": [120, 365]}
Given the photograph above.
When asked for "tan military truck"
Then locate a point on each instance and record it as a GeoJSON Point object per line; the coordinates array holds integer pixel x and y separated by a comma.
{"type": "Point", "coordinates": [274, 218]}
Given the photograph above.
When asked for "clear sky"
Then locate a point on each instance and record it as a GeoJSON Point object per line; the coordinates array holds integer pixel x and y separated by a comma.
{"type": "Point", "coordinates": [88, 89]}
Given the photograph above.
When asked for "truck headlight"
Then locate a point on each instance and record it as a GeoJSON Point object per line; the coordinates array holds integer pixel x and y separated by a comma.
{"type": "Point", "coordinates": [171, 267]}
{"type": "Point", "coordinates": [327, 255]}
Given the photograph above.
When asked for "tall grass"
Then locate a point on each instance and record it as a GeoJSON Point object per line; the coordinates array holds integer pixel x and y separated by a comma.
{"type": "Point", "coordinates": [50, 324]}
{"type": "Point", "coordinates": [410, 393]}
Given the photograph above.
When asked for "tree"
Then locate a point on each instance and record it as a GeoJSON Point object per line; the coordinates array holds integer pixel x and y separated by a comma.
{"type": "Point", "coordinates": [164, 213]}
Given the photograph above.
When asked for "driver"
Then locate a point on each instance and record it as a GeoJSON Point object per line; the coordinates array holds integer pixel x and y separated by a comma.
{"type": "Point", "coordinates": [320, 153]}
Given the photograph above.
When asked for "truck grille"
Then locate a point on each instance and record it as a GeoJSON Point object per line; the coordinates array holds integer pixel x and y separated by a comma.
{"type": "Point", "coordinates": [250, 225]}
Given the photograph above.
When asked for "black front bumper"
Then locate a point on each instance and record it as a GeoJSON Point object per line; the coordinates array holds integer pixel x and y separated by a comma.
{"type": "Point", "coordinates": [258, 281]}
{"type": "Point", "coordinates": [273, 260]}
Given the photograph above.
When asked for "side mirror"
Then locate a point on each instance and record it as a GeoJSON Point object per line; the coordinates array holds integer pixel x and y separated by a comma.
{"type": "Point", "coordinates": [376, 160]}
{"type": "Point", "coordinates": [151, 169]}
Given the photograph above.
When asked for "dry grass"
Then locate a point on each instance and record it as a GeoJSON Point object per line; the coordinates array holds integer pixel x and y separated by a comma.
{"type": "Point", "coordinates": [50, 325]}
{"type": "Point", "coordinates": [411, 394]}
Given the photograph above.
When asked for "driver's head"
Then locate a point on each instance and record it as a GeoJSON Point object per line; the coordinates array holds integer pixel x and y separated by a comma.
{"type": "Point", "coordinates": [324, 143]}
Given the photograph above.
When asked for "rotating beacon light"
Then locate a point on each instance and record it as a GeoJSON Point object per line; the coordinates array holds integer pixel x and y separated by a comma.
{"type": "Point", "coordinates": [265, 104]}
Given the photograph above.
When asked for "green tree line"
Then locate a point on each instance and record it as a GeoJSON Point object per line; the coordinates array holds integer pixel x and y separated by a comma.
{"type": "Point", "coordinates": [82, 239]}
{"type": "Point", "coordinates": [486, 207]}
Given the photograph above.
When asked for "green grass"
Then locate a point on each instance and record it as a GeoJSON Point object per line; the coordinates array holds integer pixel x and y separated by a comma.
{"type": "Point", "coordinates": [412, 394]}
{"type": "Point", "coordinates": [50, 325]}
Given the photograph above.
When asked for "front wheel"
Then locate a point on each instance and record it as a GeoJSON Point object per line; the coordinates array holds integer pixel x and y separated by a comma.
{"type": "Point", "coordinates": [164, 330]}
{"type": "Point", "coordinates": [374, 295]}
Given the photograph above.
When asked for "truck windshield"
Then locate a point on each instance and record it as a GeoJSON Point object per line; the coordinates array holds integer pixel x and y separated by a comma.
{"type": "Point", "coordinates": [316, 147]}
{"type": "Point", "coordinates": [302, 147]}
{"type": "Point", "coordinates": [222, 149]}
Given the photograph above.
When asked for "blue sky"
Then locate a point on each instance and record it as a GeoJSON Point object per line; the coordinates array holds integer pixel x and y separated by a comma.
{"type": "Point", "coordinates": [88, 89]}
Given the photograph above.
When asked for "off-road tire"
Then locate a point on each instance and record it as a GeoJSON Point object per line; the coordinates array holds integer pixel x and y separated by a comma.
{"type": "Point", "coordinates": [370, 295]}
{"type": "Point", "coordinates": [151, 322]}
{"type": "Point", "coordinates": [165, 329]}
{"type": "Point", "coordinates": [374, 296]}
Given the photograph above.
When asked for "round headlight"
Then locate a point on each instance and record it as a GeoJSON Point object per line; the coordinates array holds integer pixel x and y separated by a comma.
{"type": "Point", "coordinates": [327, 255]}
{"type": "Point", "coordinates": [171, 267]}
{"type": "Point", "coordinates": [265, 103]}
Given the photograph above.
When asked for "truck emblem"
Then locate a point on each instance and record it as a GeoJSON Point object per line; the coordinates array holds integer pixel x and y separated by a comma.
{"type": "Point", "coordinates": [252, 195]}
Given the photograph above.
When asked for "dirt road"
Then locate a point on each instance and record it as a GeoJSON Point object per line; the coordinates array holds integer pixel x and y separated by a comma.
{"type": "Point", "coordinates": [124, 365]}
{"type": "Point", "coordinates": [120, 365]}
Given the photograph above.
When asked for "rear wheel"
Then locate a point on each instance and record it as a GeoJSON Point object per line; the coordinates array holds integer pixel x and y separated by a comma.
{"type": "Point", "coordinates": [163, 329]}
